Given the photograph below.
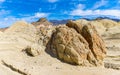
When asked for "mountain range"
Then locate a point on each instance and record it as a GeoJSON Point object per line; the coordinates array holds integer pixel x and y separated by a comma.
{"type": "Point", "coordinates": [57, 22]}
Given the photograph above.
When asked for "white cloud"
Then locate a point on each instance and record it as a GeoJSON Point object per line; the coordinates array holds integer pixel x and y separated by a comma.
{"type": "Point", "coordinates": [30, 18]}
{"type": "Point", "coordinates": [9, 20]}
{"type": "Point", "coordinates": [108, 12]}
{"type": "Point", "coordinates": [80, 6]}
{"type": "Point", "coordinates": [52, 1]}
{"type": "Point", "coordinates": [118, 1]}
{"type": "Point", "coordinates": [35, 16]}
{"type": "Point", "coordinates": [2, 1]}
{"type": "Point", "coordinates": [4, 12]}
{"type": "Point", "coordinates": [77, 7]}
{"type": "Point", "coordinates": [100, 4]}
{"type": "Point", "coordinates": [38, 15]}
{"type": "Point", "coordinates": [79, 11]}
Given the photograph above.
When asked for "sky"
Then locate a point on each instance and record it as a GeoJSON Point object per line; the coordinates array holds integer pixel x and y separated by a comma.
{"type": "Point", "coordinates": [31, 10]}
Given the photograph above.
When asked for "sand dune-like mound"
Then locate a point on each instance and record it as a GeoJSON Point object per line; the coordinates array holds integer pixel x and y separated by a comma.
{"type": "Point", "coordinates": [19, 35]}
{"type": "Point", "coordinates": [108, 23]}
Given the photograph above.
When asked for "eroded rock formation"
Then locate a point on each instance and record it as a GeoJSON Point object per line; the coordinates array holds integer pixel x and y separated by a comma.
{"type": "Point", "coordinates": [73, 43]}
{"type": "Point", "coordinates": [78, 44]}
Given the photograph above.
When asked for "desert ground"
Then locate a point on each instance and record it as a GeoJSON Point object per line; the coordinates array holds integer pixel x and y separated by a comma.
{"type": "Point", "coordinates": [15, 61]}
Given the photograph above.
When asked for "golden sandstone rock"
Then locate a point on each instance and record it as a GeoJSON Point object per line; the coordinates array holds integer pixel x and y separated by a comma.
{"type": "Point", "coordinates": [77, 44]}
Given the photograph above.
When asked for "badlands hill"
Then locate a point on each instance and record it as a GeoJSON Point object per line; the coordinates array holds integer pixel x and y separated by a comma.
{"type": "Point", "coordinates": [42, 21]}
{"type": "Point", "coordinates": [77, 47]}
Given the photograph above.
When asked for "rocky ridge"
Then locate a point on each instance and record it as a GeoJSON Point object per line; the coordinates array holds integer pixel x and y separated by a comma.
{"type": "Point", "coordinates": [42, 21]}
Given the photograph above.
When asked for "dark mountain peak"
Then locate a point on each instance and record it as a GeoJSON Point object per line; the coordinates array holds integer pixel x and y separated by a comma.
{"type": "Point", "coordinates": [114, 19]}
{"type": "Point", "coordinates": [57, 22]}
{"type": "Point", "coordinates": [42, 20]}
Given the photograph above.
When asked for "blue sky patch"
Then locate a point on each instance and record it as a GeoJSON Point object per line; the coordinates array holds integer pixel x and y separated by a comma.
{"type": "Point", "coordinates": [32, 10]}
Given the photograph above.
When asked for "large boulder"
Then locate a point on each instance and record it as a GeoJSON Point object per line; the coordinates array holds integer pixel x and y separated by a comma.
{"type": "Point", "coordinates": [70, 46]}
{"type": "Point", "coordinates": [81, 22]}
{"type": "Point", "coordinates": [96, 44]}
{"type": "Point", "coordinates": [78, 44]}
{"type": "Point", "coordinates": [75, 24]}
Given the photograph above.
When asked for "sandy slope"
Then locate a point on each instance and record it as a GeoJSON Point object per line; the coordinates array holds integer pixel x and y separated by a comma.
{"type": "Point", "coordinates": [16, 62]}
{"type": "Point", "coordinates": [44, 65]}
